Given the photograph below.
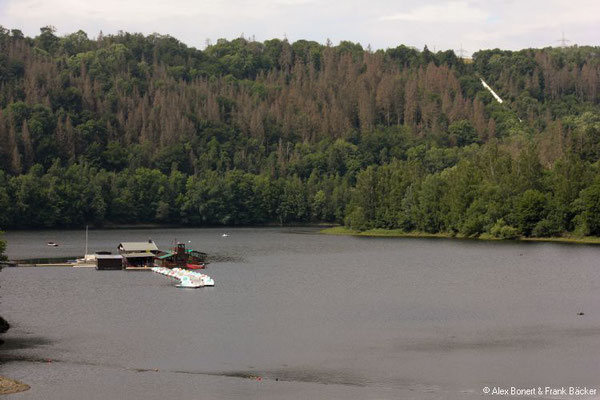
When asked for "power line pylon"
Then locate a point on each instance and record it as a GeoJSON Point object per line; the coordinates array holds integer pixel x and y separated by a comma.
{"type": "Point", "coordinates": [563, 41]}
{"type": "Point", "coordinates": [462, 52]}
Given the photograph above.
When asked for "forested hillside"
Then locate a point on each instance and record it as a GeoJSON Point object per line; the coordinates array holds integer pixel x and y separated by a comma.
{"type": "Point", "coordinates": [129, 128]}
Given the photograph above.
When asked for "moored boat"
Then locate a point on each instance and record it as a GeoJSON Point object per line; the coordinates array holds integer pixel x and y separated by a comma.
{"type": "Point", "coordinates": [187, 283]}
{"type": "Point", "coordinates": [187, 278]}
{"type": "Point", "coordinates": [87, 259]}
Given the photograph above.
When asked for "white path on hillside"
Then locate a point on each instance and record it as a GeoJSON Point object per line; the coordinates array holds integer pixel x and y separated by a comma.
{"type": "Point", "coordinates": [485, 85]}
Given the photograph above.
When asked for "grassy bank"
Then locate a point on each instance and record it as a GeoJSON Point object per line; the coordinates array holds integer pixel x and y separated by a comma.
{"type": "Point", "coordinates": [340, 230]}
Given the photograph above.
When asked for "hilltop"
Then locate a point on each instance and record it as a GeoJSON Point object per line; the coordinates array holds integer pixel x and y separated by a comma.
{"type": "Point", "coordinates": [130, 128]}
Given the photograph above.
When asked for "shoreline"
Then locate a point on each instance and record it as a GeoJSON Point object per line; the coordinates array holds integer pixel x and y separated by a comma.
{"type": "Point", "coordinates": [396, 233]}
{"type": "Point", "coordinates": [173, 226]}
{"type": "Point", "coordinates": [10, 386]}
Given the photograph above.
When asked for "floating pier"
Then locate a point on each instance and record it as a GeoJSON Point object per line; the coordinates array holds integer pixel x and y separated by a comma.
{"type": "Point", "coordinates": [188, 279]}
{"type": "Point", "coordinates": [48, 265]}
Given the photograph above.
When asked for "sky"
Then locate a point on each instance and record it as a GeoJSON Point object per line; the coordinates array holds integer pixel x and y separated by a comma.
{"type": "Point", "coordinates": [439, 24]}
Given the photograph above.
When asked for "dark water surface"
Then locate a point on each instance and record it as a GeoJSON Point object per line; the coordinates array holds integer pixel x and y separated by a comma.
{"type": "Point", "coordinates": [314, 316]}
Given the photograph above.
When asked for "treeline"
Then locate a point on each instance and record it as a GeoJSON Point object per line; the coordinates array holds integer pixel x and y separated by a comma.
{"type": "Point", "coordinates": [468, 191]}
{"type": "Point", "coordinates": [80, 194]}
{"type": "Point", "coordinates": [487, 192]}
{"type": "Point", "coordinates": [129, 128]}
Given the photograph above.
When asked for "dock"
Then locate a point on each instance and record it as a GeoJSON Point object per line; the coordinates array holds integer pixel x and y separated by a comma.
{"type": "Point", "coordinates": [46, 265]}
{"type": "Point", "coordinates": [133, 256]}
{"type": "Point", "coordinates": [73, 265]}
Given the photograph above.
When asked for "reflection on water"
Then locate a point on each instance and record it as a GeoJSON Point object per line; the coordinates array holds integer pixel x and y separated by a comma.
{"type": "Point", "coordinates": [303, 316]}
{"type": "Point", "coordinates": [24, 342]}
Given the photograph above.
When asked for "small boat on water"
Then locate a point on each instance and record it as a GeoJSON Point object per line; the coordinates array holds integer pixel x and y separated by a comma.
{"type": "Point", "coordinates": [225, 235]}
{"type": "Point", "coordinates": [52, 244]}
{"type": "Point", "coordinates": [87, 259]}
{"type": "Point", "coordinates": [187, 283]}
{"type": "Point", "coordinates": [195, 266]}
{"type": "Point", "coordinates": [187, 278]}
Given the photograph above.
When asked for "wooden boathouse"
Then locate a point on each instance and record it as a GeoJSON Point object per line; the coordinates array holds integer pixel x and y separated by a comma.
{"type": "Point", "coordinates": [138, 254]}
{"type": "Point", "coordinates": [109, 262]}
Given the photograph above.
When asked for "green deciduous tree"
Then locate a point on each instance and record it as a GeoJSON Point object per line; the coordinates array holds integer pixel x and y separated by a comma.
{"type": "Point", "coordinates": [588, 210]}
{"type": "Point", "coordinates": [531, 208]}
{"type": "Point", "coordinates": [462, 133]}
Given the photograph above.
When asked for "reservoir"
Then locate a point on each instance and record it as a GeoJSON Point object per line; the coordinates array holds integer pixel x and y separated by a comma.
{"type": "Point", "coordinates": [299, 315]}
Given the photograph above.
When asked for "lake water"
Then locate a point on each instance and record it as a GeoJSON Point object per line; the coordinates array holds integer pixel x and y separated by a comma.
{"type": "Point", "coordinates": [314, 316]}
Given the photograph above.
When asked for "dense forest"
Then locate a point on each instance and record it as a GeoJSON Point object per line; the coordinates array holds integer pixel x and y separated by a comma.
{"type": "Point", "coordinates": [129, 128]}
